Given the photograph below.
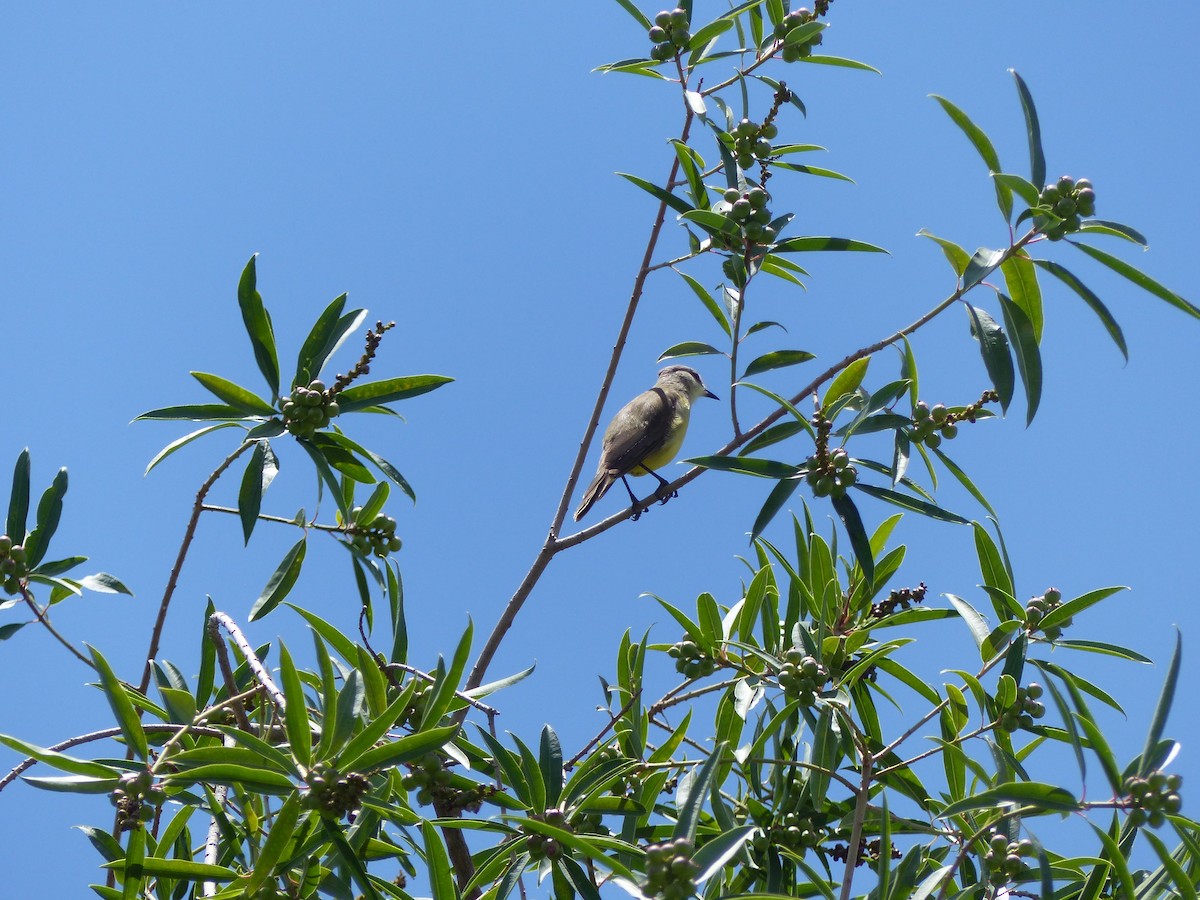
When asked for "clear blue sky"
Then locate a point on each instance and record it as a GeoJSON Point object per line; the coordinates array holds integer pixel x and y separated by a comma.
{"type": "Point", "coordinates": [453, 170]}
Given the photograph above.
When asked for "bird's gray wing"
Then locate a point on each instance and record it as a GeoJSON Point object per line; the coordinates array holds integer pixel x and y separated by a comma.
{"type": "Point", "coordinates": [636, 431]}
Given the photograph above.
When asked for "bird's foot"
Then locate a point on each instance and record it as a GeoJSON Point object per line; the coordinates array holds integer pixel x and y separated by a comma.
{"type": "Point", "coordinates": [663, 496]}
{"type": "Point", "coordinates": [637, 513]}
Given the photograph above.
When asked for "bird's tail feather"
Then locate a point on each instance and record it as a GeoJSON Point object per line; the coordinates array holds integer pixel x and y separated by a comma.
{"type": "Point", "coordinates": [597, 489]}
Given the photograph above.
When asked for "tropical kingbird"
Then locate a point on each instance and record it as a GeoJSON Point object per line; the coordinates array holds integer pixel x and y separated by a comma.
{"type": "Point", "coordinates": [646, 434]}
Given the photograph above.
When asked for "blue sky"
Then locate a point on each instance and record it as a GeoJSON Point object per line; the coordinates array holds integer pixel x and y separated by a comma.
{"type": "Point", "coordinates": [454, 172]}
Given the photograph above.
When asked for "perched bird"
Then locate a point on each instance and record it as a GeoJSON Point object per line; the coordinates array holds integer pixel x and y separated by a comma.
{"type": "Point", "coordinates": [646, 434]}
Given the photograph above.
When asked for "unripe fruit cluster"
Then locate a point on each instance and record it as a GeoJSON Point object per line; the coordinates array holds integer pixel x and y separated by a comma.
{"type": "Point", "coordinates": [629, 783]}
{"type": "Point", "coordinates": [135, 798]}
{"type": "Point", "coordinates": [670, 33]}
{"type": "Point", "coordinates": [426, 777]}
{"type": "Point", "coordinates": [539, 845]}
{"type": "Point", "coordinates": [670, 870]}
{"type": "Point", "coordinates": [1024, 709]}
{"type": "Point", "coordinates": [801, 676]}
{"type": "Point", "coordinates": [933, 424]}
{"type": "Point", "coordinates": [1006, 859]}
{"type": "Point", "coordinates": [333, 795]}
{"type": "Point", "coordinates": [797, 831]}
{"type": "Point", "coordinates": [1069, 201]}
{"type": "Point", "coordinates": [309, 408]}
{"type": "Point", "coordinates": [793, 20]}
{"type": "Point", "coordinates": [1154, 798]}
{"type": "Point", "coordinates": [748, 210]}
{"type": "Point", "coordinates": [690, 659]}
{"type": "Point", "coordinates": [834, 477]}
{"type": "Point", "coordinates": [752, 142]}
{"type": "Point", "coordinates": [379, 537]}
{"type": "Point", "coordinates": [1039, 607]}
{"type": "Point", "coordinates": [13, 567]}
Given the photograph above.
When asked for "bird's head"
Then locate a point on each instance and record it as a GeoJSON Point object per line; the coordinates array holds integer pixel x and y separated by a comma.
{"type": "Point", "coordinates": [686, 380]}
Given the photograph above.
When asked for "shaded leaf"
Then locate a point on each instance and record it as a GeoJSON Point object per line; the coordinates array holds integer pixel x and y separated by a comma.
{"type": "Point", "coordinates": [18, 500]}
{"type": "Point", "coordinates": [258, 326]}
{"type": "Point", "coordinates": [808, 244]}
{"type": "Point", "coordinates": [1094, 302]}
{"type": "Point", "coordinates": [234, 394]}
{"type": "Point", "coordinates": [1037, 158]}
{"type": "Point", "coordinates": [360, 396]}
{"type": "Point", "coordinates": [689, 348]}
{"type": "Point", "coordinates": [1029, 358]}
{"type": "Point", "coordinates": [746, 465]}
{"type": "Point", "coordinates": [1138, 277]}
{"type": "Point", "coordinates": [676, 203]}
{"type": "Point", "coordinates": [777, 359]}
{"type": "Point", "coordinates": [281, 582]}
{"type": "Point", "coordinates": [993, 346]}
{"type": "Point", "coordinates": [859, 542]}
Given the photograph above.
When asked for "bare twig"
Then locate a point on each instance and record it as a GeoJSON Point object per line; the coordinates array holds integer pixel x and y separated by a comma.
{"type": "Point", "coordinates": [45, 620]}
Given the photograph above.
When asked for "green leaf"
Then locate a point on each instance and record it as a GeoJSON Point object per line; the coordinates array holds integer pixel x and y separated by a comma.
{"type": "Point", "coordinates": [327, 334]}
{"type": "Point", "coordinates": [809, 244]}
{"type": "Point", "coordinates": [405, 749]}
{"type": "Point", "coordinates": [60, 761]}
{"type": "Point", "coordinates": [281, 582]}
{"type": "Point", "coordinates": [1113, 229]}
{"type": "Point", "coordinates": [104, 583]}
{"type": "Point", "coordinates": [1021, 278]}
{"type": "Point", "coordinates": [235, 395]}
{"type": "Point", "coordinates": [904, 501]}
{"type": "Point", "coordinates": [296, 723]}
{"type": "Point", "coordinates": [859, 542]}
{"type": "Point", "coordinates": [254, 481]}
{"type": "Point", "coordinates": [18, 500]}
{"type": "Point", "coordinates": [993, 567]}
{"type": "Point", "coordinates": [1097, 306]}
{"type": "Point", "coordinates": [714, 308]}
{"type": "Point", "coordinates": [283, 827]}
{"type": "Point", "coordinates": [955, 255]}
{"type": "Point", "coordinates": [846, 382]}
{"type": "Point", "coordinates": [1037, 158]}
{"type": "Point", "coordinates": [49, 512]}
{"type": "Point", "coordinates": [777, 359]}
{"type": "Point", "coordinates": [689, 348]}
{"type": "Point", "coordinates": [983, 146]}
{"type": "Point", "coordinates": [716, 852]}
{"type": "Point", "coordinates": [1029, 358]}
{"type": "Point", "coordinates": [780, 494]}
{"type": "Point", "coordinates": [258, 326]}
{"type": "Point", "coordinates": [713, 223]}
{"type": "Point", "coordinates": [339, 457]}
{"type": "Point", "coordinates": [1077, 605]}
{"type": "Point", "coordinates": [122, 706]}
{"type": "Point", "coordinates": [981, 264]}
{"type": "Point", "coordinates": [183, 441]}
{"type": "Point", "coordinates": [966, 482]}
{"type": "Point", "coordinates": [1141, 279]}
{"type": "Point", "coordinates": [376, 393]}
{"type": "Point", "coordinates": [637, 14]}
{"type": "Point", "coordinates": [974, 621]}
{"type": "Point", "coordinates": [763, 468]}
{"type": "Point", "coordinates": [993, 346]}
{"type": "Point", "coordinates": [1105, 649]}
{"type": "Point", "coordinates": [1161, 709]}
{"type": "Point", "coordinates": [840, 62]}
{"type": "Point", "coordinates": [693, 789]}
{"type": "Point", "coordinates": [196, 412]}
{"type": "Point", "coordinates": [691, 164]}
{"type": "Point", "coordinates": [1027, 191]}
{"type": "Point", "coordinates": [1043, 797]}
{"type": "Point", "coordinates": [550, 761]}
{"type": "Point", "coordinates": [676, 203]}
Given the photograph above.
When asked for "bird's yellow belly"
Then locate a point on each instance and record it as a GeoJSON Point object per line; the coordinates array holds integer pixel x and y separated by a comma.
{"type": "Point", "coordinates": [664, 454]}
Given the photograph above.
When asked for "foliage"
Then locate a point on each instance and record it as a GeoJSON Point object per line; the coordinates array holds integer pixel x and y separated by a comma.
{"type": "Point", "coordinates": [769, 769]}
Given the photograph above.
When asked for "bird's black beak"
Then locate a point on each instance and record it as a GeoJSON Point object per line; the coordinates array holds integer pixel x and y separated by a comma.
{"type": "Point", "coordinates": [708, 393]}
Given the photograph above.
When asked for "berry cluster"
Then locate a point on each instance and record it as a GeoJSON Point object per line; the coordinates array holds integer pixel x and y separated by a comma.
{"type": "Point", "coordinates": [1152, 799]}
{"type": "Point", "coordinates": [13, 568]}
{"type": "Point", "coordinates": [748, 210]}
{"type": "Point", "coordinates": [1024, 709]}
{"type": "Point", "coordinates": [1063, 204]}
{"type": "Point", "coordinates": [539, 845]}
{"type": "Point", "coordinates": [831, 476]}
{"type": "Point", "coordinates": [1039, 607]}
{"type": "Point", "coordinates": [690, 660]}
{"type": "Point", "coordinates": [379, 537]}
{"type": "Point", "coordinates": [752, 142]}
{"type": "Point", "coordinates": [801, 676]}
{"type": "Point", "coordinates": [628, 784]}
{"type": "Point", "coordinates": [135, 798]}
{"type": "Point", "coordinates": [432, 781]}
{"type": "Point", "coordinates": [1006, 859]}
{"type": "Point", "coordinates": [868, 851]}
{"type": "Point", "coordinates": [309, 408]}
{"type": "Point", "coordinates": [797, 49]}
{"type": "Point", "coordinates": [670, 33]}
{"type": "Point", "coordinates": [902, 598]}
{"type": "Point", "coordinates": [797, 831]}
{"type": "Point", "coordinates": [932, 425]}
{"type": "Point", "coordinates": [670, 870]}
{"type": "Point", "coordinates": [332, 794]}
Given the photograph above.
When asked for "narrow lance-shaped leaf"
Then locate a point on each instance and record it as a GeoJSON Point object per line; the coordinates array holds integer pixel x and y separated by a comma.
{"type": "Point", "coordinates": [18, 500]}
{"type": "Point", "coordinates": [809, 244]}
{"type": "Point", "coordinates": [993, 345]}
{"type": "Point", "coordinates": [846, 382]}
{"type": "Point", "coordinates": [234, 394]}
{"type": "Point", "coordinates": [1037, 157]}
{"type": "Point", "coordinates": [676, 203]}
{"type": "Point", "coordinates": [1161, 709]}
{"type": "Point", "coordinates": [955, 255]}
{"type": "Point", "coordinates": [1029, 357]}
{"type": "Point", "coordinates": [281, 582]}
{"type": "Point", "coordinates": [983, 146]}
{"type": "Point", "coordinates": [859, 542]}
{"type": "Point", "coordinates": [1094, 302]}
{"type": "Point", "coordinates": [775, 501]}
{"type": "Point", "coordinates": [714, 308]}
{"type": "Point", "coordinates": [1020, 276]}
{"type": "Point", "coordinates": [258, 326]}
{"type": "Point", "coordinates": [693, 789]}
{"type": "Point", "coordinates": [1140, 278]}
{"type": "Point", "coordinates": [981, 264]}
{"type": "Point", "coordinates": [328, 333]}
{"type": "Point", "coordinates": [251, 490]}
{"type": "Point", "coordinates": [122, 707]}
{"type": "Point", "coordinates": [49, 512]}
{"type": "Point", "coordinates": [377, 393]}
{"type": "Point", "coordinates": [777, 359]}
